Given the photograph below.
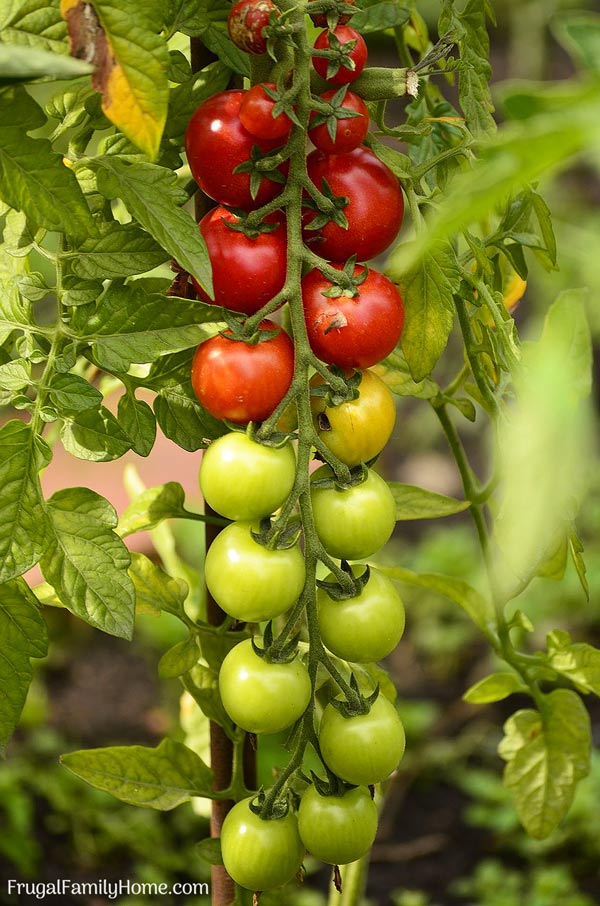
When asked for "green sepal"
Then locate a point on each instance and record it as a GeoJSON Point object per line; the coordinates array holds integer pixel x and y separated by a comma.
{"type": "Point", "coordinates": [281, 539]}
{"type": "Point", "coordinates": [337, 592]}
{"type": "Point", "coordinates": [358, 475]}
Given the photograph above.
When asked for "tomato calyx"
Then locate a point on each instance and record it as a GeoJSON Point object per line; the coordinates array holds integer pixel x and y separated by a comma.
{"type": "Point", "coordinates": [336, 395]}
{"type": "Point", "coordinates": [277, 809]}
{"type": "Point", "coordinates": [328, 112]}
{"type": "Point", "coordinates": [333, 786]}
{"type": "Point", "coordinates": [353, 589]}
{"type": "Point", "coordinates": [338, 54]}
{"type": "Point", "coordinates": [348, 286]}
{"type": "Point", "coordinates": [250, 229]}
{"type": "Point", "coordinates": [356, 476]}
{"type": "Point", "coordinates": [331, 12]}
{"type": "Point", "coordinates": [356, 703]}
{"type": "Point", "coordinates": [261, 165]}
{"type": "Point", "coordinates": [329, 208]}
{"type": "Point", "coordinates": [276, 539]}
{"type": "Point", "coordinates": [272, 652]}
{"type": "Point", "coordinates": [235, 331]}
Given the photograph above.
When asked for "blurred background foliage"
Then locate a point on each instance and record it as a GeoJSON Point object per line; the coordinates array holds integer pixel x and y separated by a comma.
{"type": "Point", "coordinates": [449, 832]}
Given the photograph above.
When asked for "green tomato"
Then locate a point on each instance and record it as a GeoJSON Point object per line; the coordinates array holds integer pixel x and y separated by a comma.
{"type": "Point", "coordinates": [262, 697]}
{"type": "Point", "coordinates": [249, 581]}
{"type": "Point", "coordinates": [365, 748]}
{"type": "Point", "coordinates": [242, 479]}
{"type": "Point", "coordinates": [337, 829]}
{"type": "Point", "coordinates": [366, 627]}
{"type": "Point", "coordinates": [354, 522]}
{"type": "Point", "coordinates": [260, 853]}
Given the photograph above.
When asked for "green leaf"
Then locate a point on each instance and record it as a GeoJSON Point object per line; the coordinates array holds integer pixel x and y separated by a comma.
{"type": "Point", "coordinates": [187, 97]}
{"type": "Point", "coordinates": [22, 636]}
{"type": "Point", "coordinates": [155, 591]}
{"type": "Point", "coordinates": [494, 688]}
{"type": "Point", "coordinates": [120, 251]}
{"type": "Point", "coordinates": [395, 372]}
{"type": "Point", "coordinates": [210, 850]}
{"type": "Point", "coordinates": [546, 756]}
{"type": "Point", "coordinates": [149, 509]}
{"type": "Point", "coordinates": [152, 196]}
{"type": "Point", "coordinates": [129, 325]}
{"type": "Point", "coordinates": [23, 64]}
{"type": "Point", "coordinates": [23, 524]}
{"type": "Point", "coordinates": [33, 178]}
{"type": "Point", "coordinates": [86, 562]}
{"type": "Point", "coordinates": [179, 659]}
{"type": "Point", "coordinates": [553, 567]}
{"type": "Point", "coordinates": [544, 446]}
{"type": "Point", "coordinates": [34, 23]}
{"type": "Point", "coordinates": [95, 435]}
{"type": "Point", "coordinates": [217, 40]}
{"type": "Point", "coordinates": [579, 34]}
{"type": "Point", "coordinates": [137, 420]}
{"type": "Point", "coordinates": [578, 662]}
{"type": "Point", "coordinates": [15, 375]}
{"type": "Point", "coordinates": [427, 290]}
{"type": "Point", "coordinates": [133, 82]}
{"type": "Point", "coordinates": [159, 778]}
{"type": "Point", "coordinates": [472, 602]}
{"type": "Point", "coordinates": [203, 685]}
{"type": "Point", "coordinates": [417, 503]}
{"type": "Point", "coordinates": [379, 17]}
{"type": "Point", "coordinates": [72, 393]}
{"type": "Point", "coordinates": [576, 551]}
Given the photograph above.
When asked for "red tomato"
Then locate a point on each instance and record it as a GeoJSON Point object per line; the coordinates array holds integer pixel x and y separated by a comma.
{"type": "Point", "coordinates": [256, 113]}
{"type": "Point", "coordinates": [375, 205]}
{"type": "Point", "coordinates": [243, 382]}
{"type": "Point", "coordinates": [349, 132]}
{"type": "Point", "coordinates": [352, 332]}
{"type": "Point", "coordinates": [216, 143]}
{"type": "Point", "coordinates": [358, 55]}
{"type": "Point", "coordinates": [246, 272]}
{"type": "Point", "coordinates": [245, 24]}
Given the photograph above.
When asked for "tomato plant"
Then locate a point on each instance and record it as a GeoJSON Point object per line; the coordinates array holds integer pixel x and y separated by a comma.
{"type": "Point", "coordinates": [362, 749]}
{"type": "Point", "coordinates": [337, 828]}
{"type": "Point", "coordinates": [242, 479]}
{"type": "Point", "coordinates": [345, 68]}
{"type": "Point", "coordinates": [247, 271]}
{"type": "Point", "coordinates": [243, 381]}
{"type": "Point", "coordinates": [356, 328]}
{"type": "Point", "coordinates": [345, 127]}
{"type": "Point", "coordinates": [251, 582]}
{"type": "Point", "coordinates": [262, 696]}
{"type": "Point", "coordinates": [260, 853]}
{"type": "Point", "coordinates": [374, 210]}
{"type": "Point", "coordinates": [256, 113]}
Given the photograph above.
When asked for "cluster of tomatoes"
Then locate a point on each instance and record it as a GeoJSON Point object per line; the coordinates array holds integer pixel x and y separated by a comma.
{"type": "Point", "coordinates": [256, 569]}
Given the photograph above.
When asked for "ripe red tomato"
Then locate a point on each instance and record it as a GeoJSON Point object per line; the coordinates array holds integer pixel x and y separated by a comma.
{"type": "Point", "coordinates": [245, 24]}
{"type": "Point", "coordinates": [246, 272]}
{"type": "Point", "coordinates": [352, 332]}
{"type": "Point", "coordinates": [256, 113]}
{"type": "Point", "coordinates": [358, 55]}
{"type": "Point", "coordinates": [375, 205]}
{"type": "Point", "coordinates": [350, 132]}
{"type": "Point", "coordinates": [240, 381]}
{"type": "Point", "coordinates": [216, 143]}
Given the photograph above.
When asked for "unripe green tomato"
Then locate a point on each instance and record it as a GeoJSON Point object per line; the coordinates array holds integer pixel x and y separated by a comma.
{"type": "Point", "coordinates": [366, 627]}
{"type": "Point", "coordinates": [249, 581]}
{"type": "Point", "coordinates": [337, 829]}
{"type": "Point", "coordinates": [358, 430]}
{"type": "Point", "coordinates": [242, 479]}
{"type": "Point", "coordinates": [365, 748]}
{"type": "Point", "coordinates": [260, 853]}
{"type": "Point", "coordinates": [262, 697]}
{"type": "Point", "coordinates": [353, 523]}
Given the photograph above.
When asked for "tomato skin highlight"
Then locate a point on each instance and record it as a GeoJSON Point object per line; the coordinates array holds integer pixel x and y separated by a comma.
{"type": "Point", "coordinates": [258, 853]}
{"type": "Point", "coordinates": [262, 697]}
{"type": "Point", "coordinates": [356, 431]}
{"type": "Point", "coordinates": [364, 628]}
{"type": "Point", "coordinates": [337, 829]}
{"type": "Point", "coordinates": [242, 479]}
{"type": "Point", "coordinates": [344, 75]}
{"type": "Point", "coordinates": [349, 133]}
{"type": "Point", "coordinates": [352, 331]}
{"type": "Point", "coordinates": [363, 749]}
{"type": "Point", "coordinates": [256, 114]}
{"type": "Point", "coordinates": [248, 581]}
{"type": "Point", "coordinates": [247, 273]}
{"type": "Point", "coordinates": [374, 212]}
{"type": "Point", "coordinates": [216, 143]}
{"type": "Point", "coordinates": [242, 382]}
{"type": "Point", "coordinates": [353, 523]}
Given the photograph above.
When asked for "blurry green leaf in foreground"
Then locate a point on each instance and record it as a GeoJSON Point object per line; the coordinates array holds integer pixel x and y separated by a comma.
{"type": "Point", "coordinates": [579, 33]}
{"type": "Point", "coordinates": [544, 444]}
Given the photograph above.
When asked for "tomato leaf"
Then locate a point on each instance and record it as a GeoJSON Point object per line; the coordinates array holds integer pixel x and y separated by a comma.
{"type": "Point", "coordinates": [578, 662]}
{"type": "Point", "coordinates": [418, 503]}
{"type": "Point", "coordinates": [33, 23]}
{"type": "Point", "coordinates": [24, 64]}
{"type": "Point", "coordinates": [494, 688]}
{"type": "Point", "coordinates": [33, 177]}
{"type": "Point", "coordinates": [179, 659]}
{"type": "Point", "coordinates": [23, 636]}
{"type": "Point", "coordinates": [579, 34]}
{"type": "Point", "coordinates": [546, 757]}
{"type": "Point", "coordinates": [138, 422]}
{"type": "Point", "coordinates": [159, 778]}
{"type": "Point", "coordinates": [86, 562]}
{"type": "Point", "coordinates": [155, 591]}
{"type": "Point", "coordinates": [120, 251]}
{"type": "Point", "coordinates": [94, 435]}
{"type": "Point", "coordinates": [153, 197]}
{"type": "Point", "coordinates": [23, 525]}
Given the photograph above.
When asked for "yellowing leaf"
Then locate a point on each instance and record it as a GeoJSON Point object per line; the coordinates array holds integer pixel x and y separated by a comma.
{"type": "Point", "coordinates": [131, 62]}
